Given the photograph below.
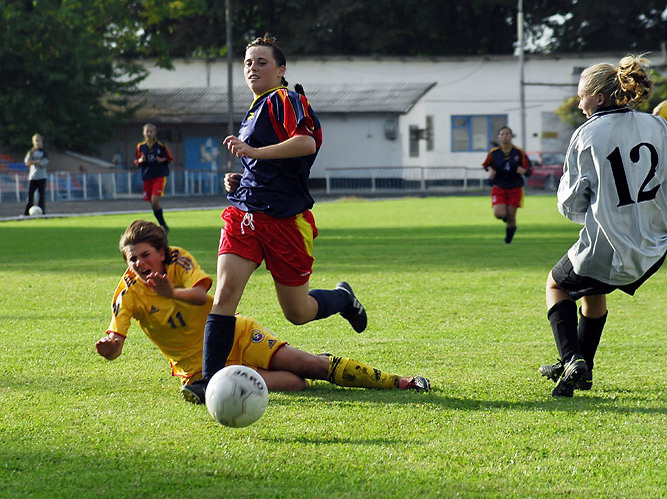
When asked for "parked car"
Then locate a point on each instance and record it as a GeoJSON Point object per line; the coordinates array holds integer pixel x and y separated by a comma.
{"type": "Point", "coordinates": [547, 169]}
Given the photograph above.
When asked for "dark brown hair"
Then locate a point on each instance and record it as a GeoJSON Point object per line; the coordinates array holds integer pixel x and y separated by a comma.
{"type": "Point", "coordinates": [142, 231]}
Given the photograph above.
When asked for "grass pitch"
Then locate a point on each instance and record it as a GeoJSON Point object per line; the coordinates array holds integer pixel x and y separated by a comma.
{"type": "Point", "coordinates": [446, 299]}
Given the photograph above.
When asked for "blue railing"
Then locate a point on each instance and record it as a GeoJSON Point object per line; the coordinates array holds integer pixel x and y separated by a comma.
{"type": "Point", "coordinates": [66, 186]}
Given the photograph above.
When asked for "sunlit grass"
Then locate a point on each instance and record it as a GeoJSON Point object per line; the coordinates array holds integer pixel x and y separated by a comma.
{"type": "Point", "coordinates": [446, 299]}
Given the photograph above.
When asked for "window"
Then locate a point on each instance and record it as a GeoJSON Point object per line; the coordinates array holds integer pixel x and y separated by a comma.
{"type": "Point", "coordinates": [414, 141]}
{"type": "Point", "coordinates": [475, 133]}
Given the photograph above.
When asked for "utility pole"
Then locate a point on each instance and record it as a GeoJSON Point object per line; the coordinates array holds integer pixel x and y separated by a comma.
{"type": "Point", "coordinates": [522, 83]}
{"type": "Point", "coordinates": [230, 80]}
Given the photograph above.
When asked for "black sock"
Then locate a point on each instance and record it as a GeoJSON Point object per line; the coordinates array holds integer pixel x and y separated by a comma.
{"type": "Point", "coordinates": [160, 218]}
{"type": "Point", "coordinates": [590, 332]}
{"type": "Point", "coordinates": [218, 341]}
{"type": "Point", "coordinates": [563, 319]}
{"type": "Point", "coordinates": [509, 234]}
{"type": "Point", "coordinates": [330, 301]}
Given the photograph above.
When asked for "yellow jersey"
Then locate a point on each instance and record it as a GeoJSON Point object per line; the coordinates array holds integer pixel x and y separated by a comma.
{"type": "Point", "coordinates": [176, 327]}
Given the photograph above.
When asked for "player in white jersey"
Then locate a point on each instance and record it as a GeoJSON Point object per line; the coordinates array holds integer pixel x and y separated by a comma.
{"type": "Point", "coordinates": [614, 183]}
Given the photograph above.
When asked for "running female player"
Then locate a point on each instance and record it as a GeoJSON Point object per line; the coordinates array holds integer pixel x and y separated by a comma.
{"type": "Point", "coordinates": [270, 216]}
{"type": "Point", "coordinates": [506, 164]}
{"type": "Point", "coordinates": [613, 184]}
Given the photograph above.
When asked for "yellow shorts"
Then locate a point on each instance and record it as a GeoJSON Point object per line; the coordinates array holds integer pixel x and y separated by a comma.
{"type": "Point", "coordinates": [254, 346]}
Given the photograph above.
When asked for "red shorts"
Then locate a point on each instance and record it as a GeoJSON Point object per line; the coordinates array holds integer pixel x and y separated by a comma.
{"type": "Point", "coordinates": [286, 244]}
{"type": "Point", "coordinates": [154, 187]}
{"type": "Point", "coordinates": [512, 197]}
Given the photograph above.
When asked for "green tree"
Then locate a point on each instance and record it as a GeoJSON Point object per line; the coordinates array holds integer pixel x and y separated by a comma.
{"type": "Point", "coordinates": [587, 26]}
{"type": "Point", "coordinates": [67, 67]}
{"type": "Point", "coordinates": [418, 28]}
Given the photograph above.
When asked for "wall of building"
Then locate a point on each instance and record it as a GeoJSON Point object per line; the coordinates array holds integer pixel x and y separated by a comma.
{"type": "Point", "coordinates": [465, 86]}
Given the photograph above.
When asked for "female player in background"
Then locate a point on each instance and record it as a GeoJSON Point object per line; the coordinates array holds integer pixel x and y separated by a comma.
{"type": "Point", "coordinates": [506, 164]}
{"type": "Point", "coordinates": [270, 216]}
{"type": "Point", "coordinates": [614, 184]}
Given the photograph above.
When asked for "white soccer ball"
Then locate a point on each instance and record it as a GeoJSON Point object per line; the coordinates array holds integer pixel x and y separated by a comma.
{"type": "Point", "coordinates": [236, 396]}
{"type": "Point", "coordinates": [35, 211]}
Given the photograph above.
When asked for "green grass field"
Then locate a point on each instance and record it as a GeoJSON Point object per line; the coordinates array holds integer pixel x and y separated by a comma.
{"type": "Point", "coordinates": [446, 299]}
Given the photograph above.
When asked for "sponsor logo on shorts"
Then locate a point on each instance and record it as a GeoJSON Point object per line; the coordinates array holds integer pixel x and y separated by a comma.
{"type": "Point", "coordinates": [257, 336]}
{"type": "Point", "coordinates": [271, 343]}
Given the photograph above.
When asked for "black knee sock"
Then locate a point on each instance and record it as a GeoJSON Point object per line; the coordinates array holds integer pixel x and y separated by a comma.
{"type": "Point", "coordinates": [160, 218]}
{"type": "Point", "coordinates": [218, 341]}
{"type": "Point", "coordinates": [563, 319]}
{"type": "Point", "coordinates": [590, 332]}
{"type": "Point", "coordinates": [509, 234]}
{"type": "Point", "coordinates": [330, 301]}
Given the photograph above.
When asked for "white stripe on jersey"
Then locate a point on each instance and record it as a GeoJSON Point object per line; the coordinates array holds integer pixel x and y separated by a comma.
{"type": "Point", "coordinates": [615, 184]}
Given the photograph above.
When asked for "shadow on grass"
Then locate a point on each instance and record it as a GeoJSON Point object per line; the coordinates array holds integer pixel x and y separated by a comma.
{"type": "Point", "coordinates": [361, 248]}
{"type": "Point", "coordinates": [628, 404]}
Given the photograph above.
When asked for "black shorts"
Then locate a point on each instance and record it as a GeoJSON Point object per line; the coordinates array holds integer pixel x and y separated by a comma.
{"type": "Point", "coordinates": [577, 286]}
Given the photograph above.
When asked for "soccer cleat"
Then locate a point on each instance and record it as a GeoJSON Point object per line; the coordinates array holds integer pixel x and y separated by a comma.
{"type": "Point", "coordinates": [419, 384]}
{"type": "Point", "coordinates": [195, 392]}
{"type": "Point", "coordinates": [585, 382]}
{"type": "Point", "coordinates": [575, 371]}
{"type": "Point", "coordinates": [355, 313]}
{"type": "Point", "coordinates": [552, 371]}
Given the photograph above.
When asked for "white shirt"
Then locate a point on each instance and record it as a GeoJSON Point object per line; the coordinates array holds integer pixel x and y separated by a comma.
{"type": "Point", "coordinates": [615, 183]}
{"type": "Point", "coordinates": [37, 172]}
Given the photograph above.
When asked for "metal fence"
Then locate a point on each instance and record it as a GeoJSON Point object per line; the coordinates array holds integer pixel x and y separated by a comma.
{"type": "Point", "coordinates": [402, 178]}
{"type": "Point", "coordinates": [65, 186]}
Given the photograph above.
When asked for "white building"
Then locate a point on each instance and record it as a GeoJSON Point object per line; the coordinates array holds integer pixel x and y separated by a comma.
{"type": "Point", "coordinates": [385, 111]}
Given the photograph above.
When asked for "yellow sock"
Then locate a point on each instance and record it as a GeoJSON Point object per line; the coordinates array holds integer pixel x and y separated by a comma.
{"type": "Point", "coordinates": [349, 372]}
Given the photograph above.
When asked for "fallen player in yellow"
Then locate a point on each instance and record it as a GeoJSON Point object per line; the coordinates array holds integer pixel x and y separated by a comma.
{"type": "Point", "coordinates": [166, 291]}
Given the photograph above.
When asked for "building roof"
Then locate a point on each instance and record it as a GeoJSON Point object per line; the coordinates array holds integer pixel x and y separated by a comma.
{"type": "Point", "coordinates": [209, 104]}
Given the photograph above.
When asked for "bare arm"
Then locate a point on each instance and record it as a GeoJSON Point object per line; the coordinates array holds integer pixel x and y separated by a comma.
{"type": "Point", "coordinates": [294, 147]}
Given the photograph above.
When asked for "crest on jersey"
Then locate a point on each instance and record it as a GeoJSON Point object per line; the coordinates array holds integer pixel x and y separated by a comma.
{"type": "Point", "coordinates": [257, 336]}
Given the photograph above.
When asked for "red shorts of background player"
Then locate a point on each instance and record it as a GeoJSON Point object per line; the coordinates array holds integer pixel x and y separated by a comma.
{"type": "Point", "coordinates": [512, 197]}
{"type": "Point", "coordinates": [154, 187]}
{"type": "Point", "coordinates": [285, 244]}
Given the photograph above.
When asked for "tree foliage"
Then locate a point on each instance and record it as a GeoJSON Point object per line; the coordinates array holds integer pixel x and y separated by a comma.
{"type": "Point", "coordinates": [66, 66]}
{"type": "Point", "coordinates": [418, 28]}
{"type": "Point", "coordinates": [586, 26]}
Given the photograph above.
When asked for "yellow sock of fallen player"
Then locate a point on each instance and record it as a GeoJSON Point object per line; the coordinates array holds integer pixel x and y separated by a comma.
{"type": "Point", "coordinates": [349, 372]}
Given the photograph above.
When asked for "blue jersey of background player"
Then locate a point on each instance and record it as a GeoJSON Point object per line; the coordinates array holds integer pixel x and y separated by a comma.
{"type": "Point", "coordinates": [152, 156]}
{"type": "Point", "coordinates": [505, 165]}
{"type": "Point", "coordinates": [277, 187]}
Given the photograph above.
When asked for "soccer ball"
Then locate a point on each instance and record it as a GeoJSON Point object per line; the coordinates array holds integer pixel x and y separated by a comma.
{"type": "Point", "coordinates": [35, 211]}
{"type": "Point", "coordinates": [236, 396]}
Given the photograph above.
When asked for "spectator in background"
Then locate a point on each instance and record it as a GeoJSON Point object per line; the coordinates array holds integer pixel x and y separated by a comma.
{"type": "Point", "coordinates": [36, 160]}
{"type": "Point", "coordinates": [153, 157]}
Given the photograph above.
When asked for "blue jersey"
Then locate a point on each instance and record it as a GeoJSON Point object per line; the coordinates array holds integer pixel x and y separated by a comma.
{"type": "Point", "coordinates": [277, 187]}
{"type": "Point", "coordinates": [152, 168]}
{"type": "Point", "coordinates": [505, 165]}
